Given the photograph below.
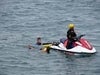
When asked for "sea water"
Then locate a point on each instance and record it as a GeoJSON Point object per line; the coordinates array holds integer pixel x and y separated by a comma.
{"type": "Point", "coordinates": [22, 21]}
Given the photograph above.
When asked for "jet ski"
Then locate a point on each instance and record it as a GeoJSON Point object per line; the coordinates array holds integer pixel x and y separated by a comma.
{"type": "Point", "coordinates": [81, 46]}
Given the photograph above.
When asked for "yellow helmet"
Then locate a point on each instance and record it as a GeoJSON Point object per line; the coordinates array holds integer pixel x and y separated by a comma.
{"type": "Point", "coordinates": [71, 26]}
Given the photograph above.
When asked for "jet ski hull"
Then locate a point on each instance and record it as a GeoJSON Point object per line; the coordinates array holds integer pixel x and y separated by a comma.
{"type": "Point", "coordinates": [80, 46]}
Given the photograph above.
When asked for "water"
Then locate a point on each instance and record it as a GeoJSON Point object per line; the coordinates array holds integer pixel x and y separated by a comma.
{"type": "Point", "coordinates": [22, 21]}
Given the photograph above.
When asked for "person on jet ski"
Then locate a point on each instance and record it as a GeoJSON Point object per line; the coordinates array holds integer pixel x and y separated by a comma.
{"type": "Point", "coordinates": [71, 35]}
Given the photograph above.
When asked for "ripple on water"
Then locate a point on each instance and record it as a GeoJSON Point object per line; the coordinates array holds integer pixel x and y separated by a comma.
{"type": "Point", "coordinates": [24, 20]}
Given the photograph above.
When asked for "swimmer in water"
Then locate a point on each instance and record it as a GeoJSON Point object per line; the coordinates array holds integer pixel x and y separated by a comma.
{"type": "Point", "coordinates": [38, 41]}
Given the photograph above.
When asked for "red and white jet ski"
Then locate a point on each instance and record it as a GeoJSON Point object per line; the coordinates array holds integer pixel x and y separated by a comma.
{"type": "Point", "coordinates": [82, 46]}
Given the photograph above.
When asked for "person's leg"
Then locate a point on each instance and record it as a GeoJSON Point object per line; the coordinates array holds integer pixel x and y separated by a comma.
{"type": "Point", "coordinates": [68, 44]}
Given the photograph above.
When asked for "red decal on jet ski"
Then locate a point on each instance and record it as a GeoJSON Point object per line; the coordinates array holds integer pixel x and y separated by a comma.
{"type": "Point", "coordinates": [65, 43]}
{"type": "Point", "coordinates": [86, 44]}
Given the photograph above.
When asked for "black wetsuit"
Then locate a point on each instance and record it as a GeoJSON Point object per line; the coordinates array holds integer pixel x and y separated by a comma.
{"type": "Point", "coordinates": [71, 35]}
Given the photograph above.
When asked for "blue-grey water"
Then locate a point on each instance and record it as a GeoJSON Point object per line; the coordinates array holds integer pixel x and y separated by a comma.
{"type": "Point", "coordinates": [22, 21]}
